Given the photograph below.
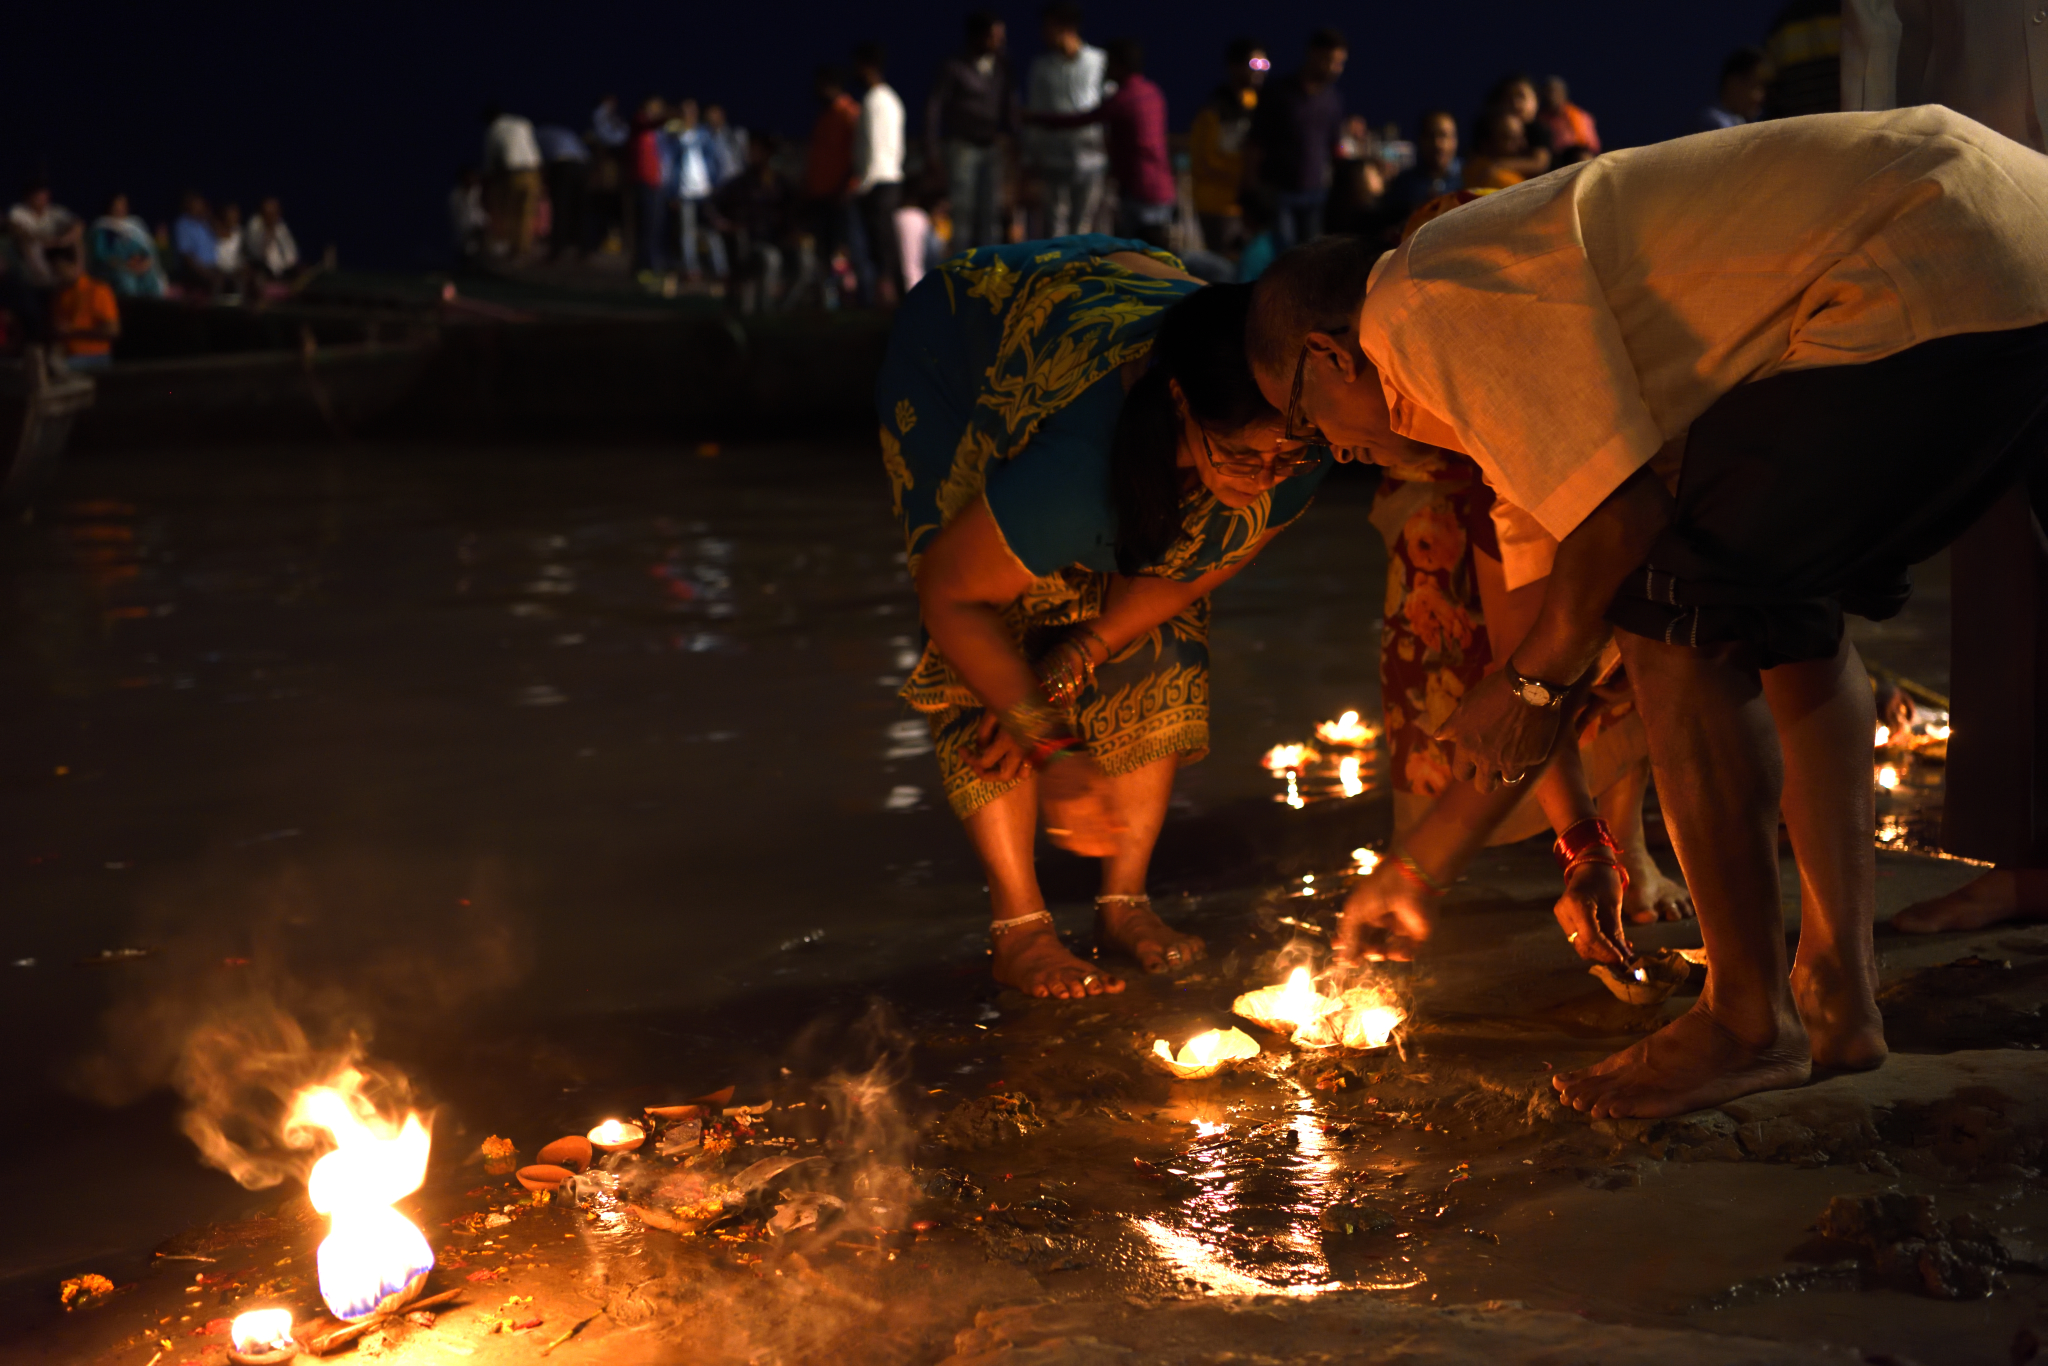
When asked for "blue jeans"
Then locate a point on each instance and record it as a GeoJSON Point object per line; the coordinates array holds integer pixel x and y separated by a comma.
{"type": "Point", "coordinates": [1300, 217]}
{"type": "Point", "coordinates": [714, 245]}
{"type": "Point", "coordinates": [973, 175]}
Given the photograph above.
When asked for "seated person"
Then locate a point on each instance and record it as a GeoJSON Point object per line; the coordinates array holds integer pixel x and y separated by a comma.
{"type": "Point", "coordinates": [123, 253]}
{"type": "Point", "coordinates": [228, 257]}
{"type": "Point", "coordinates": [36, 226]}
{"type": "Point", "coordinates": [268, 247]}
{"type": "Point", "coordinates": [84, 318]}
{"type": "Point", "coordinates": [196, 254]}
{"type": "Point", "coordinates": [1500, 154]}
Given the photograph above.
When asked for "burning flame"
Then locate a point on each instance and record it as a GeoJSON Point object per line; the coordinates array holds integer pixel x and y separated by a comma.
{"type": "Point", "coordinates": [1288, 758]}
{"type": "Point", "coordinates": [372, 1253]}
{"type": "Point", "coordinates": [1345, 730]}
{"type": "Point", "coordinates": [1884, 735]}
{"type": "Point", "coordinates": [615, 1133]}
{"type": "Point", "coordinates": [1347, 775]}
{"type": "Point", "coordinates": [1206, 1054]}
{"type": "Point", "coordinates": [1367, 860]}
{"type": "Point", "coordinates": [262, 1331]}
{"type": "Point", "coordinates": [1887, 777]}
{"type": "Point", "coordinates": [1361, 1017]}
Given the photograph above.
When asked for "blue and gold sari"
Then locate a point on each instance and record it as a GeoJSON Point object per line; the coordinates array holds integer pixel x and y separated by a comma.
{"type": "Point", "coordinates": [1002, 382]}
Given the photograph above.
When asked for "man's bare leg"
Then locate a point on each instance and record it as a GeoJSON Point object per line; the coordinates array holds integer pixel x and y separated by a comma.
{"type": "Point", "coordinates": [2000, 895]}
{"type": "Point", "coordinates": [1141, 797]}
{"type": "Point", "coordinates": [1719, 773]}
{"type": "Point", "coordinates": [1824, 717]}
{"type": "Point", "coordinates": [1031, 957]}
{"type": "Point", "coordinates": [1650, 896]}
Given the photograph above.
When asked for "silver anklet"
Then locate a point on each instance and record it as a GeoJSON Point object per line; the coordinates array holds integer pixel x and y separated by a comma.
{"type": "Point", "coordinates": [1113, 897]}
{"type": "Point", "coordinates": [1005, 926]}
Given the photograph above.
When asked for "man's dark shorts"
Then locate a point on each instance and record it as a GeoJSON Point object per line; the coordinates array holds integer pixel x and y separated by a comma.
{"type": "Point", "coordinates": [1809, 494]}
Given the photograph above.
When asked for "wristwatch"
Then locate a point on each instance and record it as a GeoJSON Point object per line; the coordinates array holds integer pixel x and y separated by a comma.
{"type": "Point", "coordinates": [1534, 691]}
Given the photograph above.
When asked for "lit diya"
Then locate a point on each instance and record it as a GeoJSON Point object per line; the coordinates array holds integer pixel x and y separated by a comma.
{"type": "Point", "coordinates": [262, 1336]}
{"type": "Point", "coordinates": [617, 1136]}
{"type": "Point", "coordinates": [1362, 1017]}
{"type": "Point", "coordinates": [1206, 1054]}
{"type": "Point", "coordinates": [374, 1259]}
{"type": "Point", "coordinates": [1346, 730]}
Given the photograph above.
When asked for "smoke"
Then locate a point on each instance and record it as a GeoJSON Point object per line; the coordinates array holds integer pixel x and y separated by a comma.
{"type": "Point", "coordinates": [870, 1127]}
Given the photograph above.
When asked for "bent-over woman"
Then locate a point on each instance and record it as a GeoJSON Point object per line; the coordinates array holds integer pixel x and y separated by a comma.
{"type": "Point", "coordinates": [1079, 456]}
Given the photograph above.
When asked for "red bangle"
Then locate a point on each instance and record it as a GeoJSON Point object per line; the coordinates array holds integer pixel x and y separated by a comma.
{"type": "Point", "coordinates": [1590, 841]}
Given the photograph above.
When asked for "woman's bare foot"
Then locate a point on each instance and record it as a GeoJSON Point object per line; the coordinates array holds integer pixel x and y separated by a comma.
{"type": "Point", "coordinates": [2001, 894]}
{"type": "Point", "coordinates": [1690, 1064]}
{"type": "Point", "coordinates": [1032, 959]}
{"type": "Point", "coordinates": [1651, 896]}
{"type": "Point", "coordinates": [1844, 1029]}
{"type": "Point", "coordinates": [1589, 913]}
{"type": "Point", "coordinates": [1130, 924]}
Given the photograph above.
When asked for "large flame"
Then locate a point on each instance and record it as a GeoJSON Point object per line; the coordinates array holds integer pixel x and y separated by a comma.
{"type": "Point", "coordinates": [372, 1253]}
{"type": "Point", "coordinates": [1206, 1054]}
{"type": "Point", "coordinates": [1362, 1017]}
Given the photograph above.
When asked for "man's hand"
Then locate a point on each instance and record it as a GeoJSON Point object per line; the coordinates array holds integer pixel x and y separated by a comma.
{"type": "Point", "coordinates": [1499, 737]}
{"type": "Point", "coordinates": [1074, 806]}
{"type": "Point", "coordinates": [1384, 917]}
{"type": "Point", "coordinates": [998, 758]}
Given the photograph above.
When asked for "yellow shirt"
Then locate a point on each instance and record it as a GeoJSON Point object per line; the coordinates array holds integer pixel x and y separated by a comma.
{"type": "Point", "coordinates": [1562, 331]}
{"type": "Point", "coordinates": [1216, 158]}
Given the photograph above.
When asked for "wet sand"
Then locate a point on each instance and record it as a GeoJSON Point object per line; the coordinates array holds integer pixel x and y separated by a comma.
{"type": "Point", "coordinates": [574, 781]}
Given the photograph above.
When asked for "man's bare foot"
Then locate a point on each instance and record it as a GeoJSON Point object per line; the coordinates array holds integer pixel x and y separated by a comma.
{"type": "Point", "coordinates": [1651, 896]}
{"type": "Point", "coordinates": [1130, 924]}
{"type": "Point", "coordinates": [1844, 1029]}
{"type": "Point", "coordinates": [1032, 959]}
{"type": "Point", "coordinates": [1689, 1064]}
{"type": "Point", "coordinates": [2001, 894]}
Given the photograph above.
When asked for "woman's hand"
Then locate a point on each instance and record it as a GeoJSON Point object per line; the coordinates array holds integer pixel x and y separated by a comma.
{"type": "Point", "coordinates": [1590, 913]}
{"type": "Point", "coordinates": [998, 758]}
{"type": "Point", "coordinates": [1074, 806]}
{"type": "Point", "coordinates": [1386, 916]}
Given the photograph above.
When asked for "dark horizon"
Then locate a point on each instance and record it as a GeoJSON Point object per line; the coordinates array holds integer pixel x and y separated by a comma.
{"type": "Point", "coordinates": [360, 121]}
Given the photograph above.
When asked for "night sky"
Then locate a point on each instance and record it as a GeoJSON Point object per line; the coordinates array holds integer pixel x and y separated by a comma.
{"type": "Point", "coordinates": [359, 115]}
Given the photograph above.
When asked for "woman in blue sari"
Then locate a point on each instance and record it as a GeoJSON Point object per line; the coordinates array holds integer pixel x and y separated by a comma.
{"type": "Point", "coordinates": [124, 254]}
{"type": "Point", "coordinates": [1079, 456]}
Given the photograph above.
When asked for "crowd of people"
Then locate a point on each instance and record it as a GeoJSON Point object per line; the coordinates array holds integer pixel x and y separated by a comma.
{"type": "Point", "coordinates": [61, 277]}
{"type": "Point", "coordinates": [869, 201]}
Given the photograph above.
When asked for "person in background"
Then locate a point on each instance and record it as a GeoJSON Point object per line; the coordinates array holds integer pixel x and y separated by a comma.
{"type": "Point", "coordinates": [913, 242]}
{"type": "Point", "coordinates": [123, 253]}
{"type": "Point", "coordinates": [1068, 161]}
{"type": "Point", "coordinates": [228, 256]}
{"type": "Point", "coordinates": [1803, 53]}
{"type": "Point", "coordinates": [268, 246]}
{"type": "Point", "coordinates": [84, 317]}
{"type": "Point", "coordinates": [828, 177]}
{"type": "Point", "coordinates": [36, 225]}
{"type": "Point", "coordinates": [565, 168]}
{"type": "Point", "coordinates": [1568, 125]}
{"type": "Point", "coordinates": [196, 253]}
{"type": "Point", "coordinates": [469, 222]}
{"type": "Point", "coordinates": [1261, 242]}
{"type": "Point", "coordinates": [1500, 153]}
{"type": "Point", "coordinates": [725, 145]}
{"type": "Point", "coordinates": [1513, 95]}
{"type": "Point", "coordinates": [1294, 132]}
{"type": "Point", "coordinates": [878, 172]}
{"type": "Point", "coordinates": [1437, 171]}
{"type": "Point", "coordinates": [1357, 179]}
{"type": "Point", "coordinates": [1741, 96]}
{"type": "Point", "coordinates": [609, 137]}
{"type": "Point", "coordinates": [649, 166]}
{"type": "Point", "coordinates": [754, 206]}
{"type": "Point", "coordinates": [688, 153]}
{"type": "Point", "coordinates": [972, 108]}
{"type": "Point", "coordinates": [511, 181]}
{"type": "Point", "coordinates": [1135, 117]}
{"type": "Point", "coordinates": [1216, 144]}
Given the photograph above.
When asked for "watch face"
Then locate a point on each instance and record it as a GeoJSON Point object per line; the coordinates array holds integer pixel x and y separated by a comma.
{"type": "Point", "coordinates": [1534, 693]}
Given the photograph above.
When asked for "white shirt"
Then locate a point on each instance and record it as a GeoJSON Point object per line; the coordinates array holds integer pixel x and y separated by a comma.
{"type": "Point", "coordinates": [227, 250]}
{"type": "Point", "coordinates": [878, 139]}
{"type": "Point", "coordinates": [1563, 331]}
{"type": "Point", "coordinates": [1987, 59]}
{"type": "Point", "coordinates": [509, 145]}
{"type": "Point", "coordinates": [35, 232]}
{"type": "Point", "coordinates": [270, 249]}
{"type": "Point", "coordinates": [1059, 84]}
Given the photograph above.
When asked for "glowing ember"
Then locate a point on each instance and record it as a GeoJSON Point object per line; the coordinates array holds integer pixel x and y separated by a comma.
{"type": "Point", "coordinates": [262, 1331]}
{"type": "Point", "coordinates": [1361, 1017]}
{"type": "Point", "coordinates": [1347, 776]}
{"type": "Point", "coordinates": [616, 1136]}
{"type": "Point", "coordinates": [1887, 777]}
{"type": "Point", "coordinates": [1345, 730]}
{"type": "Point", "coordinates": [373, 1257]}
{"type": "Point", "coordinates": [1367, 860]}
{"type": "Point", "coordinates": [1288, 758]}
{"type": "Point", "coordinates": [1207, 1054]}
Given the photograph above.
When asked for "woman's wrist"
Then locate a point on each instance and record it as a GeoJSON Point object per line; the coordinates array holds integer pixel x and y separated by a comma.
{"type": "Point", "coordinates": [1040, 731]}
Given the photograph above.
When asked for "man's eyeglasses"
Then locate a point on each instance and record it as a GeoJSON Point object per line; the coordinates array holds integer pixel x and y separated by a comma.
{"type": "Point", "coordinates": [1298, 427]}
{"type": "Point", "coordinates": [1283, 463]}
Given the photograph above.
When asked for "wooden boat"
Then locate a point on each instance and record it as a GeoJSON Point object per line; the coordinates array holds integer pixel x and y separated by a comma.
{"type": "Point", "coordinates": [39, 403]}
